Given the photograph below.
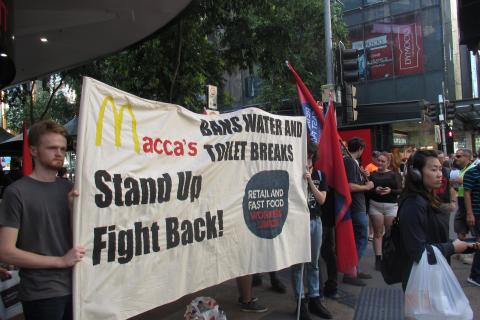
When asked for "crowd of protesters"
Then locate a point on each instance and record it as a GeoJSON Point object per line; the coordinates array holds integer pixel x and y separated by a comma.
{"type": "Point", "coordinates": [424, 189]}
{"type": "Point", "coordinates": [426, 182]}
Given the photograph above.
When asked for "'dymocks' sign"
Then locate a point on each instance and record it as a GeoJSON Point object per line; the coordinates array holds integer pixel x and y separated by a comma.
{"type": "Point", "coordinates": [172, 202]}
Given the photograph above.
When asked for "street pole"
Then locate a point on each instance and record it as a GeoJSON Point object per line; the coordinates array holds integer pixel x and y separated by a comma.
{"type": "Point", "coordinates": [328, 40]}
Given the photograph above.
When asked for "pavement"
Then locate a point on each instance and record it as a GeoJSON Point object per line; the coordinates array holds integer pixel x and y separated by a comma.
{"type": "Point", "coordinates": [282, 306]}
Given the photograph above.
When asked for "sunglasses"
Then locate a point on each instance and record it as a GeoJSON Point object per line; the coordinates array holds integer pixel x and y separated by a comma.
{"type": "Point", "coordinates": [458, 155]}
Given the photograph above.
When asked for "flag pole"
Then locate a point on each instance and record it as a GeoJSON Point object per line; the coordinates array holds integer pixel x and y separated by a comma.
{"type": "Point", "coordinates": [300, 291]}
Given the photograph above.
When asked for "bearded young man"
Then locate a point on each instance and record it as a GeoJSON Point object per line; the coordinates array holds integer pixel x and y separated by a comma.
{"type": "Point", "coordinates": [36, 228]}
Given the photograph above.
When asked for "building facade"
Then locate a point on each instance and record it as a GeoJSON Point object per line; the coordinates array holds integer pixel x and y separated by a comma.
{"type": "Point", "coordinates": [409, 51]}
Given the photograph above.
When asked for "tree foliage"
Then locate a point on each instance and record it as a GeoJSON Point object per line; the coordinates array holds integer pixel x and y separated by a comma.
{"type": "Point", "coordinates": [206, 41]}
{"type": "Point", "coordinates": [285, 30]}
{"type": "Point", "coordinates": [46, 98]}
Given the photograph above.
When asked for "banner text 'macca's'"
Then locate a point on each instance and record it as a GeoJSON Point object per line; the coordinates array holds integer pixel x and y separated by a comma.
{"type": "Point", "coordinates": [168, 147]}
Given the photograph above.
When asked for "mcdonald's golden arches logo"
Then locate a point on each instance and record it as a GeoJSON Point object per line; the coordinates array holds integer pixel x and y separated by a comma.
{"type": "Point", "coordinates": [117, 123]}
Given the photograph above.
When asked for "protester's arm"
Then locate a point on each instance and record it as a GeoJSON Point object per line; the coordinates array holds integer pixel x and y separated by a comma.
{"type": "Point", "coordinates": [467, 197]}
{"type": "Point", "coordinates": [350, 170]}
{"type": "Point", "coordinates": [453, 199]}
{"type": "Point", "coordinates": [10, 254]}
{"type": "Point", "coordinates": [360, 187]}
{"type": "Point", "coordinates": [320, 195]}
{"type": "Point", "coordinates": [468, 185]}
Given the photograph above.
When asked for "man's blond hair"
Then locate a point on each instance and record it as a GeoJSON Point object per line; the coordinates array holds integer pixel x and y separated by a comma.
{"type": "Point", "coordinates": [44, 127]}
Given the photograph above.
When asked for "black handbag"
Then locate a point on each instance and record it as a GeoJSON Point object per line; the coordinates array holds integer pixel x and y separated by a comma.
{"type": "Point", "coordinates": [393, 254]}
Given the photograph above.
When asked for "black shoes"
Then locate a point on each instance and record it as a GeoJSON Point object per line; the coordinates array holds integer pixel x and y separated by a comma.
{"type": "Point", "coordinates": [304, 315]}
{"type": "Point", "coordinates": [316, 307]}
{"type": "Point", "coordinates": [354, 281]}
{"type": "Point", "coordinates": [363, 275]}
{"type": "Point", "coordinates": [253, 306]}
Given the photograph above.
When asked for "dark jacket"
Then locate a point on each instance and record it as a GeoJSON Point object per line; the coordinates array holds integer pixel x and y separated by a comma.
{"type": "Point", "coordinates": [421, 225]}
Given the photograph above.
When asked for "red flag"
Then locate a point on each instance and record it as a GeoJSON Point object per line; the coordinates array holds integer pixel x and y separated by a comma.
{"type": "Point", "coordinates": [330, 161]}
{"type": "Point", "coordinates": [306, 97]}
{"type": "Point", "coordinates": [27, 157]}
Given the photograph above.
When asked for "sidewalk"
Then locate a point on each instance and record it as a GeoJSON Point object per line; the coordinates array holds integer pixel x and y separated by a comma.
{"type": "Point", "coordinates": [281, 306]}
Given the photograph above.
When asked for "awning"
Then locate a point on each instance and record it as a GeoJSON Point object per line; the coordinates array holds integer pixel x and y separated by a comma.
{"type": "Point", "coordinates": [75, 32]}
{"type": "Point", "coordinates": [4, 134]}
{"type": "Point", "coordinates": [390, 112]}
{"type": "Point", "coordinates": [12, 145]}
{"type": "Point", "coordinates": [468, 115]}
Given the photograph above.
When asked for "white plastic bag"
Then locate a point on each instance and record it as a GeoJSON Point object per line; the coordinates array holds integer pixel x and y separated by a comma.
{"type": "Point", "coordinates": [204, 308]}
{"type": "Point", "coordinates": [10, 306]}
{"type": "Point", "coordinates": [433, 292]}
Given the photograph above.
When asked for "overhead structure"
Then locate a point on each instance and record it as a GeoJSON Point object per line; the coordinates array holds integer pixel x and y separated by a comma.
{"type": "Point", "coordinates": [52, 35]}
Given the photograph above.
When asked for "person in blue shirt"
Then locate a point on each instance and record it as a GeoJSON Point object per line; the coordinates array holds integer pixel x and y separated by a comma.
{"type": "Point", "coordinates": [471, 187]}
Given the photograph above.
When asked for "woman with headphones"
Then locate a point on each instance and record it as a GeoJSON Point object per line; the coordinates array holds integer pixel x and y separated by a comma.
{"type": "Point", "coordinates": [420, 223]}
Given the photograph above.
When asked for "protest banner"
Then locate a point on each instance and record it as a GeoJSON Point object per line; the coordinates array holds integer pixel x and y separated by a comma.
{"type": "Point", "coordinates": [172, 201]}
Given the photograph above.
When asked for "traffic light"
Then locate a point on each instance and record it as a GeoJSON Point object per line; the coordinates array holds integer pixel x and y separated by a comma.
{"type": "Point", "coordinates": [432, 112]}
{"type": "Point", "coordinates": [449, 134]}
{"type": "Point", "coordinates": [347, 65]}
{"type": "Point", "coordinates": [450, 110]}
{"type": "Point", "coordinates": [449, 139]}
{"type": "Point", "coordinates": [349, 99]}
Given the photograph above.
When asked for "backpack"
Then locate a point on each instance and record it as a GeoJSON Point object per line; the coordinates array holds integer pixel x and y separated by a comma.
{"type": "Point", "coordinates": [393, 253]}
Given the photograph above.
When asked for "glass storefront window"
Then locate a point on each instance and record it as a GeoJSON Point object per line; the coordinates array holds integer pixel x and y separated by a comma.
{"type": "Point", "coordinates": [369, 2]}
{"type": "Point", "coordinates": [404, 6]}
{"type": "Point", "coordinates": [432, 39]}
{"type": "Point", "coordinates": [352, 4]}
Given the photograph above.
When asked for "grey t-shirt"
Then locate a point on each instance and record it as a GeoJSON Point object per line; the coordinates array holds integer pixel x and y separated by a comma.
{"type": "Point", "coordinates": [39, 210]}
{"type": "Point", "coordinates": [355, 176]}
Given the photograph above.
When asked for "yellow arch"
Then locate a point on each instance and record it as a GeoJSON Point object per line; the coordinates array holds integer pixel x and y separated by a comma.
{"type": "Point", "coordinates": [117, 123]}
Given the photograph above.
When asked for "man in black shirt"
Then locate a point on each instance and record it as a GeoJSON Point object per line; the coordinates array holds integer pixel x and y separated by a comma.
{"type": "Point", "coordinates": [358, 187]}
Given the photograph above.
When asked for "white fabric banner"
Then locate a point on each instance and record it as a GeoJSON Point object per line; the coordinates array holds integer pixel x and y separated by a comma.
{"type": "Point", "coordinates": [172, 202]}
